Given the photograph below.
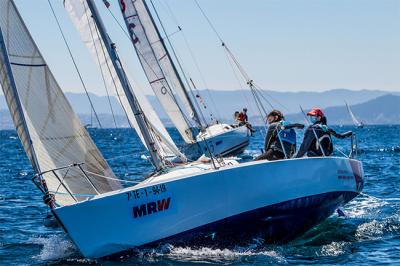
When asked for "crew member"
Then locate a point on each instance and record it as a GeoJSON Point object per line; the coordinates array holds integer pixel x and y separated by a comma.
{"type": "Point", "coordinates": [280, 142]}
{"type": "Point", "coordinates": [318, 136]}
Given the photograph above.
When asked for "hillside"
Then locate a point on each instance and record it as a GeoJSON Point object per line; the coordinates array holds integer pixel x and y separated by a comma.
{"type": "Point", "coordinates": [382, 110]}
{"type": "Point", "coordinates": [372, 107]}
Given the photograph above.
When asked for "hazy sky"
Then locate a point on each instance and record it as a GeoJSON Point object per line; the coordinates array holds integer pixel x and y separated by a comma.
{"type": "Point", "coordinates": [285, 45]}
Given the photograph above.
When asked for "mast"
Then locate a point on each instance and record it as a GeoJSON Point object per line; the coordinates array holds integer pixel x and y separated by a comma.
{"type": "Point", "coordinates": [24, 132]}
{"type": "Point", "coordinates": [185, 92]}
{"type": "Point", "coordinates": [111, 49]}
{"type": "Point", "coordinates": [158, 67]}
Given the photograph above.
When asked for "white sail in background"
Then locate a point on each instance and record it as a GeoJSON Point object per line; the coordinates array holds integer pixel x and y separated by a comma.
{"type": "Point", "coordinates": [82, 18]}
{"type": "Point", "coordinates": [158, 66]}
{"type": "Point", "coordinates": [50, 131]}
{"type": "Point", "coordinates": [353, 117]}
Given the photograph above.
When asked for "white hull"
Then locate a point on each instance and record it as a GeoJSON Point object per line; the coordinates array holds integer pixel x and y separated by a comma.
{"type": "Point", "coordinates": [177, 202]}
{"type": "Point", "coordinates": [223, 140]}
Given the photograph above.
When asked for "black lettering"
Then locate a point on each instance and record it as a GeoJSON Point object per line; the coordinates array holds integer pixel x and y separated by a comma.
{"type": "Point", "coordinates": [151, 207]}
{"type": "Point", "coordinates": [139, 211]}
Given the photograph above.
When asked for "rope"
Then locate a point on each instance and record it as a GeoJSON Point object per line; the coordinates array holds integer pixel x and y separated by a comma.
{"type": "Point", "coordinates": [178, 61]}
{"type": "Point", "coordinates": [142, 59]}
{"type": "Point", "coordinates": [74, 62]}
{"type": "Point", "coordinates": [214, 106]}
{"type": "Point", "coordinates": [111, 178]}
{"type": "Point", "coordinates": [209, 21]}
{"type": "Point", "coordinates": [101, 68]}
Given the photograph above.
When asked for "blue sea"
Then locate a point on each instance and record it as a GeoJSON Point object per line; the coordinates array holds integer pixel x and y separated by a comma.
{"type": "Point", "coordinates": [368, 234]}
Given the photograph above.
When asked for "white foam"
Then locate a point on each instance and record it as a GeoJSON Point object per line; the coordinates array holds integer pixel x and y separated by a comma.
{"type": "Point", "coordinates": [375, 229]}
{"type": "Point", "coordinates": [54, 247]}
{"type": "Point", "coordinates": [214, 255]}
{"type": "Point", "coordinates": [334, 249]}
{"type": "Point", "coordinates": [364, 206]}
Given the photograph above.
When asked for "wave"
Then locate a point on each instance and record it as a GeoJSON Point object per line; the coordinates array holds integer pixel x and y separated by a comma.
{"type": "Point", "coordinates": [54, 247]}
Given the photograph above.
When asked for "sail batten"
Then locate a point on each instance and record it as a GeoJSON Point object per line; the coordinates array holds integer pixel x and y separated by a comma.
{"type": "Point", "coordinates": [50, 131]}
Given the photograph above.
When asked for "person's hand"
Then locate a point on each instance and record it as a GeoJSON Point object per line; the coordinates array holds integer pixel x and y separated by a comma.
{"type": "Point", "coordinates": [348, 134]}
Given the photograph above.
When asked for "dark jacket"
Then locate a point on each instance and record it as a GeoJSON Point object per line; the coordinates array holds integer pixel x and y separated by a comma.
{"type": "Point", "coordinates": [311, 147]}
{"type": "Point", "coordinates": [281, 133]}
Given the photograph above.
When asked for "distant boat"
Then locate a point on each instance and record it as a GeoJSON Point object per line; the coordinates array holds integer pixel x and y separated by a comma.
{"type": "Point", "coordinates": [356, 122]}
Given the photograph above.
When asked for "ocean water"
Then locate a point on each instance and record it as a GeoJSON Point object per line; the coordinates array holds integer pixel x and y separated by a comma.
{"type": "Point", "coordinates": [369, 234]}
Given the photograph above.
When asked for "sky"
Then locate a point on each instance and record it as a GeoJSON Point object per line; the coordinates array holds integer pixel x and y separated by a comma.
{"type": "Point", "coordinates": [284, 45]}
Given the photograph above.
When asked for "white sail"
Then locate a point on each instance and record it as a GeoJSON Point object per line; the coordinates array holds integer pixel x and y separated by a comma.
{"type": "Point", "coordinates": [50, 131]}
{"type": "Point", "coordinates": [353, 117]}
{"type": "Point", "coordinates": [158, 66]}
{"type": "Point", "coordinates": [82, 19]}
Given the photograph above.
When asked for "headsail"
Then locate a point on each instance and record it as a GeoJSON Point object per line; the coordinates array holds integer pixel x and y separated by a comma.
{"type": "Point", "coordinates": [158, 66]}
{"type": "Point", "coordinates": [82, 18]}
{"type": "Point", "coordinates": [50, 131]}
{"type": "Point", "coordinates": [353, 117]}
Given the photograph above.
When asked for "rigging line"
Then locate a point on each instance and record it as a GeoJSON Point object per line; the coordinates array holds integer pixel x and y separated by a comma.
{"type": "Point", "coordinates": [119, 24]}
{"type": "Point", "coordinates": [214, 106]}
{"type": "Point", "coordinates": [270, 96]}
{"type": "Point", "coordinates": [194, 60]}
{"type": "Point", "coordinates": [209, 21]}
{"type": "Point", "coordinates": [170, 92]}
{"type": "Point", "coordinates": [259, 93]}
{"type": "Point", "coordinates": [118, 94]}
{"type": "Point", "coordinates": [74, 62]}
{"type": "Point", "coordinates": [260, 108]}
{"type": "Point", "coordinates": [197, 103]}
{"type": "Point", "coordinates": [239, 82]}
{"type": "Point", "coordinates": [247, 77]}
{"type": "Point", "coordinates": [101, 68]}
{"type": "Point", "coordinates": [179, 65]}
{"type": "Point", "coordinates": [115, 84]}
{"type": "Point", "coordinates": [140, 55]}
{"type": "Point", "coordinates": [238, 65]}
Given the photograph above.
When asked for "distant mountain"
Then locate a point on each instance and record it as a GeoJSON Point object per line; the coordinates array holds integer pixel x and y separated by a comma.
{"type": "Point", "coordinates": [288, 102]}
{"type": "Point", "coordinates": [382, 110]}
{"type": "Point", "coordinates": [228, 102]}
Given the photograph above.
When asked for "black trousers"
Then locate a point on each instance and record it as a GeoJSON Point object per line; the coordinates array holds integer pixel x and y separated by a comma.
{"type": "Point", "coordinates": [271, 155]}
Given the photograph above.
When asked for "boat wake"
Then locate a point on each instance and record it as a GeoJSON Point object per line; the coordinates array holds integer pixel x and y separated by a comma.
{"type": "Point", "coordinates": [54, 247]}
{"type": "Point", "coordinates": [188, 254]}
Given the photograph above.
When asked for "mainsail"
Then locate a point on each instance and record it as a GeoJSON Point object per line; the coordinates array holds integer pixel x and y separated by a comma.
{"type": "Point", "coordinates": [50, 131]}
{"type": "Point", "coordinates": [353, 117]}
{"type": "Point", "coordinates": [82, 18]}
{"type": "Point", "coordinates": [158, 66]}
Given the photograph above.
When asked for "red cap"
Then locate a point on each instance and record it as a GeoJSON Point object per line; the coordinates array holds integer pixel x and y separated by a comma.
{"type": "Point", "coordinates": [316, 112]}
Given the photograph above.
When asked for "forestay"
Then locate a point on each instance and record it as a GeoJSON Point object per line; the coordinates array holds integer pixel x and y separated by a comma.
{"type": "Point", "coordinates": [50, 131]}
{"type": "Point", "coordinates": [158, 65]}
{"type": "Point", "coordinates": [82, 18]}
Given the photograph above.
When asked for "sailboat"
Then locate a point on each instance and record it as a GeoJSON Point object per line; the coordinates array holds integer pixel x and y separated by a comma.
{"type": "Point", "coordinates": [356, 122]}
{"type": "Point", "coordinates": [104, 215]}
{"type": "Point", "coordinates": [219, 139]}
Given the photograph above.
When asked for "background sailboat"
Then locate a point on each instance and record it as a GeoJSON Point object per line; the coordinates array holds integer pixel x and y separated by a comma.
{"type": "Point", "coordinates": [172, 88]}
{"type": "Point", "coordinates": [356, 122]}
